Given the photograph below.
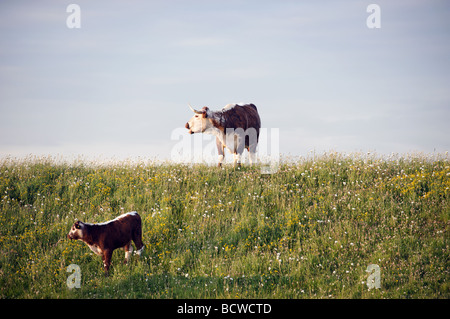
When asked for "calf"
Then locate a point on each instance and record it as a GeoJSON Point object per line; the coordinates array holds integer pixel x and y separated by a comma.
{"type": "Point", "coordinates": [104, 238]}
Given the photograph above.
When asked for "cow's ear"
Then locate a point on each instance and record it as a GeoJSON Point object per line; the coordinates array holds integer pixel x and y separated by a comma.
{"type": "Point", "coordinates": [205, 110]}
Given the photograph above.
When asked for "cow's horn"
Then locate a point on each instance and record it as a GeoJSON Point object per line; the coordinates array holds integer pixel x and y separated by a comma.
{"type": "Point", "coordinates": [193, 110]}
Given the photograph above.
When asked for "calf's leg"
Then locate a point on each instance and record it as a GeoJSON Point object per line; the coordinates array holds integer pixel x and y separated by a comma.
{"type": "Point", "coordinates": [106, 257]}
{"type": "Point", "coordinates": [128, 250]}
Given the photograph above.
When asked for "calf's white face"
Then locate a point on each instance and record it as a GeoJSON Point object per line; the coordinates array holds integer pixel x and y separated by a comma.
{"type": "Point", "coordinates": [76, 232]}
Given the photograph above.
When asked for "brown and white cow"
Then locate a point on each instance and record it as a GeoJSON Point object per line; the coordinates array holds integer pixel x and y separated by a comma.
{"type": "Point", "coordinates": [236, 127]}
{"type": "Point", "coordinates": [104, 238]}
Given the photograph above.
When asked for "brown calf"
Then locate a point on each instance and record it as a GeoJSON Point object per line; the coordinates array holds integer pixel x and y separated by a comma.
{"type": "Point", "coordinates": [104, 238]}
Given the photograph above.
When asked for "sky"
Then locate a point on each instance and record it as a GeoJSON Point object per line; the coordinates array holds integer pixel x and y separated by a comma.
{"type": "Point", "coordinates": [119, 85]}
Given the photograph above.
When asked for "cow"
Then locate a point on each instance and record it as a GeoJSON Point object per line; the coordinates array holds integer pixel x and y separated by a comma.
{"type": "Point", "coordinates": [235, 127]}
{"type": "Point", "coordinates": [104, 238]}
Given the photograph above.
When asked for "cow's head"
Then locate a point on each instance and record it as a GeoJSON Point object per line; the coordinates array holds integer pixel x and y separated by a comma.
{"type": "Point", "coordinates": [199, 122]}
{"type": "Point", "coordinates": [76, 232]}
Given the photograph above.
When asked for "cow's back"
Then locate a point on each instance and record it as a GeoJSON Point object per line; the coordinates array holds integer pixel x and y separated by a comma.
{"type": "Point", "coordinates": [242, 116]}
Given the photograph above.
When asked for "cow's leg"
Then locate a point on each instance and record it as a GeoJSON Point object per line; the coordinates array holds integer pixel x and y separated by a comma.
{"type": "Point", "coordinates": [240, 145]}
{"type": "Point", "coordinates": [128, 250]}
{"type": "Point", "coordinates": [252, 154]}
{"type": "Point", "coordinates": [237, 160]}
{"type": "Point", "coordinates": [252, 158]}
{"type": "Point", "coordinates": [220, 150]}
{"type": "Point", "coordinates": [106, 257]}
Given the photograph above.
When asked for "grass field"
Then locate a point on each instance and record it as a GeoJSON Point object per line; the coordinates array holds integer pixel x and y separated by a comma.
{"type": "Point", "coordinates": [310, 230]}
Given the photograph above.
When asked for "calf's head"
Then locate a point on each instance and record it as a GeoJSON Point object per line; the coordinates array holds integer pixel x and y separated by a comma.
{"type": "Point", "coordinates": [76, 232]}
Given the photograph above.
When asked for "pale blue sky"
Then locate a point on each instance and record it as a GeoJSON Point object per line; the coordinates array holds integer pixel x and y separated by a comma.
{"type": "Point", "coordinates": [119, 85]}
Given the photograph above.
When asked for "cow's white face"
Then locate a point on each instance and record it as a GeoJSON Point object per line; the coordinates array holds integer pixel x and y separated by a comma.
{"type": "Point", "coordinates": [76, 232]}
{"type": "Point", "coordinates": [199, 123]}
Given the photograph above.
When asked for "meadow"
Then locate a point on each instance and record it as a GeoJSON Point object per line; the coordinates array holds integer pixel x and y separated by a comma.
{"type": "Point", "coordinates": [309, 230]}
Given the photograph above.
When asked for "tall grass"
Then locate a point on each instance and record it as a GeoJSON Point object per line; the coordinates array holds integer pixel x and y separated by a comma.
{"type": "Point", "coordinates": [310, 230]}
